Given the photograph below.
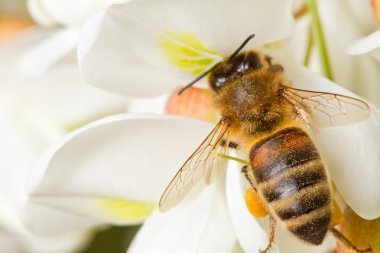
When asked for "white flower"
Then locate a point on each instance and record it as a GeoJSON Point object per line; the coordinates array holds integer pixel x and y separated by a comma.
{"type": "Point", "coordinates": [141, 49]}
{"type": "Point", "coordinates": [23, 139]}
{"type": "Point", "coordinates": [37, 108]}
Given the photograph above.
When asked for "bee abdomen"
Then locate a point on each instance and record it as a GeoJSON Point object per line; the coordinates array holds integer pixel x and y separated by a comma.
{"type": "Point", "coordinates": [292, 179]}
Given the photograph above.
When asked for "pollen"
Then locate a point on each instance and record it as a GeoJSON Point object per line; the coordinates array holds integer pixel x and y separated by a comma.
{"type": "Point", "coordinates": [254, 204]}
{"type": "Point", "coordinates": [126, 210]}
{"type": "Point", "coordinates": [186, 52]}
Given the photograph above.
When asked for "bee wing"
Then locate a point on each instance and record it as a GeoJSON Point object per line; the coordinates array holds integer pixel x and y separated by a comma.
{"type": "Point", "coordinates": [327, 109]}
{"type": "Point", "coordinates": [202, 164]}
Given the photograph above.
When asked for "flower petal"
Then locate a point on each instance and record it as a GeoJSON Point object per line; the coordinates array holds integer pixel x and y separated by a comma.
{"type": "Point", "coordinates": [68, 13]}
{"type": "Point", "coordinates": [128, 38]}
{"type": "Point", "coordinates": [58, 45]}
{"type": "Point", "coordinates": [122, 72]}
{"type": "Point", "coordinates": [132, 156]}
{"type": "Point", "coordinates": [192, 226]}
{"type": "Point", "coordinates": [23, 134]}
{"type": "Point", "coordinates": [351, 152]}
{"type": "Point", "coordinates": [83, 212]}
{"type": "Point", "coordinates": [365, 45]}
{"type": "Point", "coordinates": [127, 157]}
{"type": "Point", "coordinates": [362, 14]}
{"type": "Point", "coordinates": [39, 14]}
{"type": "Point", "coordinates": [251, 236]}
{"type": "Point", "coordinates": [60, 94]}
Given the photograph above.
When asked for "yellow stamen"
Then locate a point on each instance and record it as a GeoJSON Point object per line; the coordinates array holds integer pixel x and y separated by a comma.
{"type": "Point", "coordinates": [186, 52]}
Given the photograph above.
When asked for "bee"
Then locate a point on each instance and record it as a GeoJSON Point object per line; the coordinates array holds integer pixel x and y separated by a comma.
{"type": "Point", "coordinates": [272, 123]}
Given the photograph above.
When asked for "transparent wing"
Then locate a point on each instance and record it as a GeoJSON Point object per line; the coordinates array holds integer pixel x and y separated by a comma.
{"type": "Point", "coordinates": [202, 164]}
{"type": "Point", "coordinates": [327, 109]}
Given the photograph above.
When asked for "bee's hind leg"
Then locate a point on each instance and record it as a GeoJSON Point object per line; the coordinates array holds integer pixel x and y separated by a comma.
{"type": "Point", "coordinates": [272, 231]}
{"type": "Point", "coordinates": [272, 220]}
{"type": "Point", "coordinates": [338, 235]}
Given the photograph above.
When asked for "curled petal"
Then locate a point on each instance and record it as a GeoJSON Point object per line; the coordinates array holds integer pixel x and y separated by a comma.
{"type": "Point", "coordinates": [189, 227]}
{"type": "Point", "coordinates": [146, 42]}
{"type": "Point", "coordinates": [365, 45]}
{"type": "Point", "coordinates": [127, 156]}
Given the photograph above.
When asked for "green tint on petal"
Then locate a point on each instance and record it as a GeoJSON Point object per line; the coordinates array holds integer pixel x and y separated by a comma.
{"type": "Point", "coordinates": [186, 52]}
{"type": "Point", "coordinates": [126, 210]}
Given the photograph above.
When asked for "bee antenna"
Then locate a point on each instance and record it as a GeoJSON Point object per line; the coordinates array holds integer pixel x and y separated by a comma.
{"type": "Point", "coordinates": [195, 80]}
{"type": "Point", "coordinates": [208, 71]}
{"type": "Point", "coordinates": [241, 46]}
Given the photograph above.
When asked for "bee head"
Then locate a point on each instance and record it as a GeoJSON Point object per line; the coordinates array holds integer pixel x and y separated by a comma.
{"type": "Point", "coordinates": [233, 67]}
{"type": "Point", "coordinates": [237, 60]}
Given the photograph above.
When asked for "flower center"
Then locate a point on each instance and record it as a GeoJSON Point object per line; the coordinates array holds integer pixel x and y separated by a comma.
{"type": "Point", "coordinates": [185, 51]}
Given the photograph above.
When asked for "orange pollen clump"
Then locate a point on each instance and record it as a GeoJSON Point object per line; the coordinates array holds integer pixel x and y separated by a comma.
{"type": "Point", "coordinates": [254, 204]}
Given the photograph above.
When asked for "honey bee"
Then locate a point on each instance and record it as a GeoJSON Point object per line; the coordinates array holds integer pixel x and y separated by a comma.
{"type": "Point", "coordinates": [272, 123]}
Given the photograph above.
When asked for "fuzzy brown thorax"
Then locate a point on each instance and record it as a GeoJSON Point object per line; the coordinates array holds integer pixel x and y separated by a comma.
{"type": "Point", "coordinates": [247, 91]}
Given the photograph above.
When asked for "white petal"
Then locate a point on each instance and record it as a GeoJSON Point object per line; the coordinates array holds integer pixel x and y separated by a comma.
{"type": "Point", "coordinates": [39, 13]}
{"type": "Point", "coordinates": [68, 13]}
{"type": "Point", "coordinates": [365, 45]}
{"type": "Point", "coordinates": [125, 39]}
{"type": "Point", "coordinates": [45, 220]}
{"type": "Point", "coordinates": [9, 244]}
{"type": "Point", "coordinates": [129, 156]}
{"type": "Point", "coordinates": [351, 152]}
{"type": "Point", "coordinates": [123, 72]}
{"type": "Point", "coordinates": [151, 105]}
{"type": "Point", "coordinates": [60, 94]}
{"type": "Point", "coordinates": [49, 52]}
{"type": "Point", "coordinates": [363, 14]}
{"type": "Point", "coordinates": [251, 236]}
{"type": "Point", "coordinates": [200, 225]}
{"type": "Point", "coordinates": [69, 213]}
{"type": "Point", "coordinates": [22, 141]}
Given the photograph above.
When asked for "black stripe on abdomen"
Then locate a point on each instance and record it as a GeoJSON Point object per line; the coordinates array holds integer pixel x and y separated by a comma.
{"type": "Point", "coordinates": [290, 175]}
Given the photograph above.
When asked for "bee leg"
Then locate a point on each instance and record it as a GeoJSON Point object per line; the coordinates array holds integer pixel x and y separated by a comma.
{"type": "Point", "coordinates": [248, 177]}
{"type": "Point", "coordinates": [338, 235]}
{"type": "Point", "coordinates": [272, 231]}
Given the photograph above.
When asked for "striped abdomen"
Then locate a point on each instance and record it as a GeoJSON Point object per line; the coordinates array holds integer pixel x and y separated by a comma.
{"type": "Point", "coordinates": [292, 179]}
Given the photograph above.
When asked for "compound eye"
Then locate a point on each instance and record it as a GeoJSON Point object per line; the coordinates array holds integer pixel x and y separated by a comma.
{"type": "Point", "coordinates": [217, 82]}
{"type": "Point", "coordinates": [239, 63]}
{"type": "Point", "coordinates": [253, 60]}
